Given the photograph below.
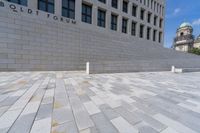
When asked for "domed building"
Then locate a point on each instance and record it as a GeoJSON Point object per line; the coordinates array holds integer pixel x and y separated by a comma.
{"type": "Point", "coordinates": [184, 39]}
{"type": "Point", "coordinates": [197, 42]}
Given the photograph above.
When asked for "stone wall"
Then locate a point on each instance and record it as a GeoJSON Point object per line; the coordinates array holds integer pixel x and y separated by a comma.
{"type": "Point", "coordinates": [40, 42]}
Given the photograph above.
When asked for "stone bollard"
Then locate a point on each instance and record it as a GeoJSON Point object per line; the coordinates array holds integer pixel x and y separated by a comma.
{"type": "Point", "coordinates": [173, 69]}
{"type": "Point", "coordinates": [87, 67]}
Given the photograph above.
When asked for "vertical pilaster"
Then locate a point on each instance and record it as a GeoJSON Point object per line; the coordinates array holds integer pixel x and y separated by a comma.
{"type": "Point", "coordinates": [78, 10]}
{"type": "Point", "coordinates": [33, 4]}
{"type": "Point", "coordinates": [58, 7]}
{"type": "Point", "coordinates": [94, 15]}
{"type": "Point", "coordinates": [108, 19]}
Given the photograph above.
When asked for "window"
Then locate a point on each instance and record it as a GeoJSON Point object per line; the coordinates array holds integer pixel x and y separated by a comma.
{"type": "Point", "coordinates": [113, 22]}
{"type": "Point", "coordinates": [124, 25]}
{"type": "Point", "coordinates": [142, 14]}
{"type": "Point", "coordinates": [148, 33]}
{"type": "Point", "coordinates": [46, 5]}
{"type": "Point", "coordinates": [125, 6]}
{"type": "Point", "coordinates": [103, 1]}
{"type": "Point", "coordinates": [151, 4]}
{"type": "Point", "coordinates": [148, 3]}
{"type": "Point", "coordinates": [160, 23]}
{"type": "Point", "coordinates": [68, 8]}
{"type": "Point", "coordinates": [155, 20]}
{"type": "Point", "coordinates": [21, 2]}
{"type": "Point", "coordinates": [141, 31]}
{"type": "Point", "coordinates": [115, 3]}
{"type": "Point", "coordinates": [134, 10]}
{"type": "Point", "coordinates": [154, 5]}
{"type": "Point", "coordinates": [86, 13]}
{"type": "Point", "coordinates": [154, 35]}
{"type": "Point", "coordinates": [101, 18]}
{"type": "Point", "coordinates": [133, 28]}
{"type": "Point", "coordinates": [182, 34]}
{"type": "Point", "coordinates": [149, 17]}
{"type": "Point", "coordinates": [160, 37]}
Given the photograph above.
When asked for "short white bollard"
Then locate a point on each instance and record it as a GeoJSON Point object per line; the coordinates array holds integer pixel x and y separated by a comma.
{"type": "Point", "coordinates": [173, 69]}
{"type": "Point", "coordinates": [87, 68]}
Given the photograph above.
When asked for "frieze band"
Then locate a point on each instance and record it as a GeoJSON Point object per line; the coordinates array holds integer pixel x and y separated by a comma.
{"type": "Point", "coordinates": [14, 8]}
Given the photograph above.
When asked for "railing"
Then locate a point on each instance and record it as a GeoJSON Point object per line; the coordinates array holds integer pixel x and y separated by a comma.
{"type": "Point", "coordinates": [184, 37]}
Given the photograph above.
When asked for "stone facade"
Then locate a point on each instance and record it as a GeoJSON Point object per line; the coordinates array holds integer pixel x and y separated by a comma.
{"type": "Point", "coordinates": [185, 40]}
{"type": "Point", "coordinates": [35, 40]}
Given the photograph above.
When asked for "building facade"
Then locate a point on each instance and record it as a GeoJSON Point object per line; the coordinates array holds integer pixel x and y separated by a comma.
{"type": "Point", "coordinates": [65, 34]}
{"type": "Point", "coordinates": [185, 40]}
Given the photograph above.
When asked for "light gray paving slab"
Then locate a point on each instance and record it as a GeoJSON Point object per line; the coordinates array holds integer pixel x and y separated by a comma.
{"type": "Point", "coordinates": [123, 126]}
{"type": "Point", "coordinates": [102, 124]}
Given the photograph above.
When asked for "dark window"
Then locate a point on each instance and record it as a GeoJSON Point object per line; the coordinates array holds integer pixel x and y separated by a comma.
{"type": "Point", "coordinates": [148, 3]}
{"type": "Point", "coordinates": [46, 5]}
{"type": "Point", "coordinates": [113, 22]}
{"type": "Point", "coordinates": [101, 18]}
{"type": "Point", "coordinates": [103, 1]}
{"type": "Point", "coordinates": [125, 6]}
{"type": "Point", "coordinates": [133, 28]}
{"type": "Point", "coordinates": [86, 13]}
{"type": "Point", "coordinates": [134, 10]}
{"type": "Point", "coordinates": [115, 3]}
{"type": "Point", "coordinates": [68, 8]}
{"type": "Point", "coordinates": [151, 4]}
{"type": "Point", "coordinates": [148, 33]}
{"type": "Point", "coordinates": [182, 34]}
{"type": "Point", "coordinates": [124, 25]}
{"type": "Point", "coordinates": [141, 31]}
{"type": "Point", "coordinates": [155, 20]}
{"type": "Point", "coordinates": [142, 14]}
{"type": "Point", "coordinates": [160, 37]}
{"type": "Point", "coordinates": [21, 2]}
{"type": "Point", "coordinates": [154, 35]}
{"type": "Point", "coordinates": [160, 24]}
{"type": "Point", "coordinates": [149, 17]}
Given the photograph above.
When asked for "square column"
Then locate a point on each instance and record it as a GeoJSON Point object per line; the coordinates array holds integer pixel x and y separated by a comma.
{"type": "Point", "coordinates": [33, 4]}
{"type": "Point", "coordinates": [78, 11]}
{"type": "Point", "coordinates": [94, 14]}
{"type": "Point", "coordinates": [58, 7]}
{"type": "Point", "coordinates": [108, 19]}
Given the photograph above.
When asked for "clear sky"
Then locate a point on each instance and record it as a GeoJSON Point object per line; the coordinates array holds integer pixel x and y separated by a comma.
{"type": "Point", "coordinates": [178, 11]}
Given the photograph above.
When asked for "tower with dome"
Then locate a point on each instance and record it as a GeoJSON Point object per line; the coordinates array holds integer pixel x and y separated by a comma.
{"type": "Point", "coordinates": [185, 40]}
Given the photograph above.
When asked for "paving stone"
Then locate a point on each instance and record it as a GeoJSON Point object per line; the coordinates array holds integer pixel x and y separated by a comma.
{"type": "Point", "coordinates": [91, 108]}
{"type": "Point", "coordinates": [79, 103]}
{"type": "Point", "coordinates": [42, 126]}
{"type": "Point", "coordinates": [123, 126]}
{"type": "Point", "coordinates": [68, 127]}
{"type": "Point", "coordinates": [173, 124]}
{"type": "Point", "coordinates": [102, 124]}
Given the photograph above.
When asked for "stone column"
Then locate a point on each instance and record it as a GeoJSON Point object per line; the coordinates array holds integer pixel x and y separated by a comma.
{"type": "Point", "coordinates": [33, 4]}
{"type": "Point", "coordinates": [94, 15]}
{"type": "Point", "coordinates": [78, 10]}
{"type": "Point", "coordinates": [108, 19]}
{"type": "Point", "coordinates": [119, 24]}
{"type": "Point", "coordinates": [58, 7]}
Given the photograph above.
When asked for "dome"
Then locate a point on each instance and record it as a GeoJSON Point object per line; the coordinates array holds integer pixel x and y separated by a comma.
{"type": "Point", "coordinates": [185, 24]}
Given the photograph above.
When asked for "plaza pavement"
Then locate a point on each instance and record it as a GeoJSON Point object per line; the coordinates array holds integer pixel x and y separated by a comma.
{"type": "Point", "coordinates": [73, 102]}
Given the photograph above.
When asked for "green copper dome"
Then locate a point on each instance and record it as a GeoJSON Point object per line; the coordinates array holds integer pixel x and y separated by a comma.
{"type": "Point", "coordinates": [185, 24]}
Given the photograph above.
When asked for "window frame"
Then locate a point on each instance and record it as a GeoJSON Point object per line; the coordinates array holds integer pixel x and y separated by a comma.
{"type": "Point", "coordinates": [87, 14]}
{"type": "Point", "coordinates": [113, 24]}
{"type": "Point", "coordinates": [101, 21]}
{"type": "Point", "coordinates": [47, 3]}
{"type": "Point", "coordinates": [68, 9]}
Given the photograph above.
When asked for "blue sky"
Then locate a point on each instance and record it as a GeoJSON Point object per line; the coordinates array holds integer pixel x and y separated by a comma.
{"type": "Point", "coordinates": [178, 11]}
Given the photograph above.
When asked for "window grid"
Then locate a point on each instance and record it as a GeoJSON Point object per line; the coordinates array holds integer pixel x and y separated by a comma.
{"type": "Point", "coordinates": [68, 8]}
{"type": "Point", "coordinates": [86, 13]}
{"type": "Point", "coordinates": [113, 22]}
